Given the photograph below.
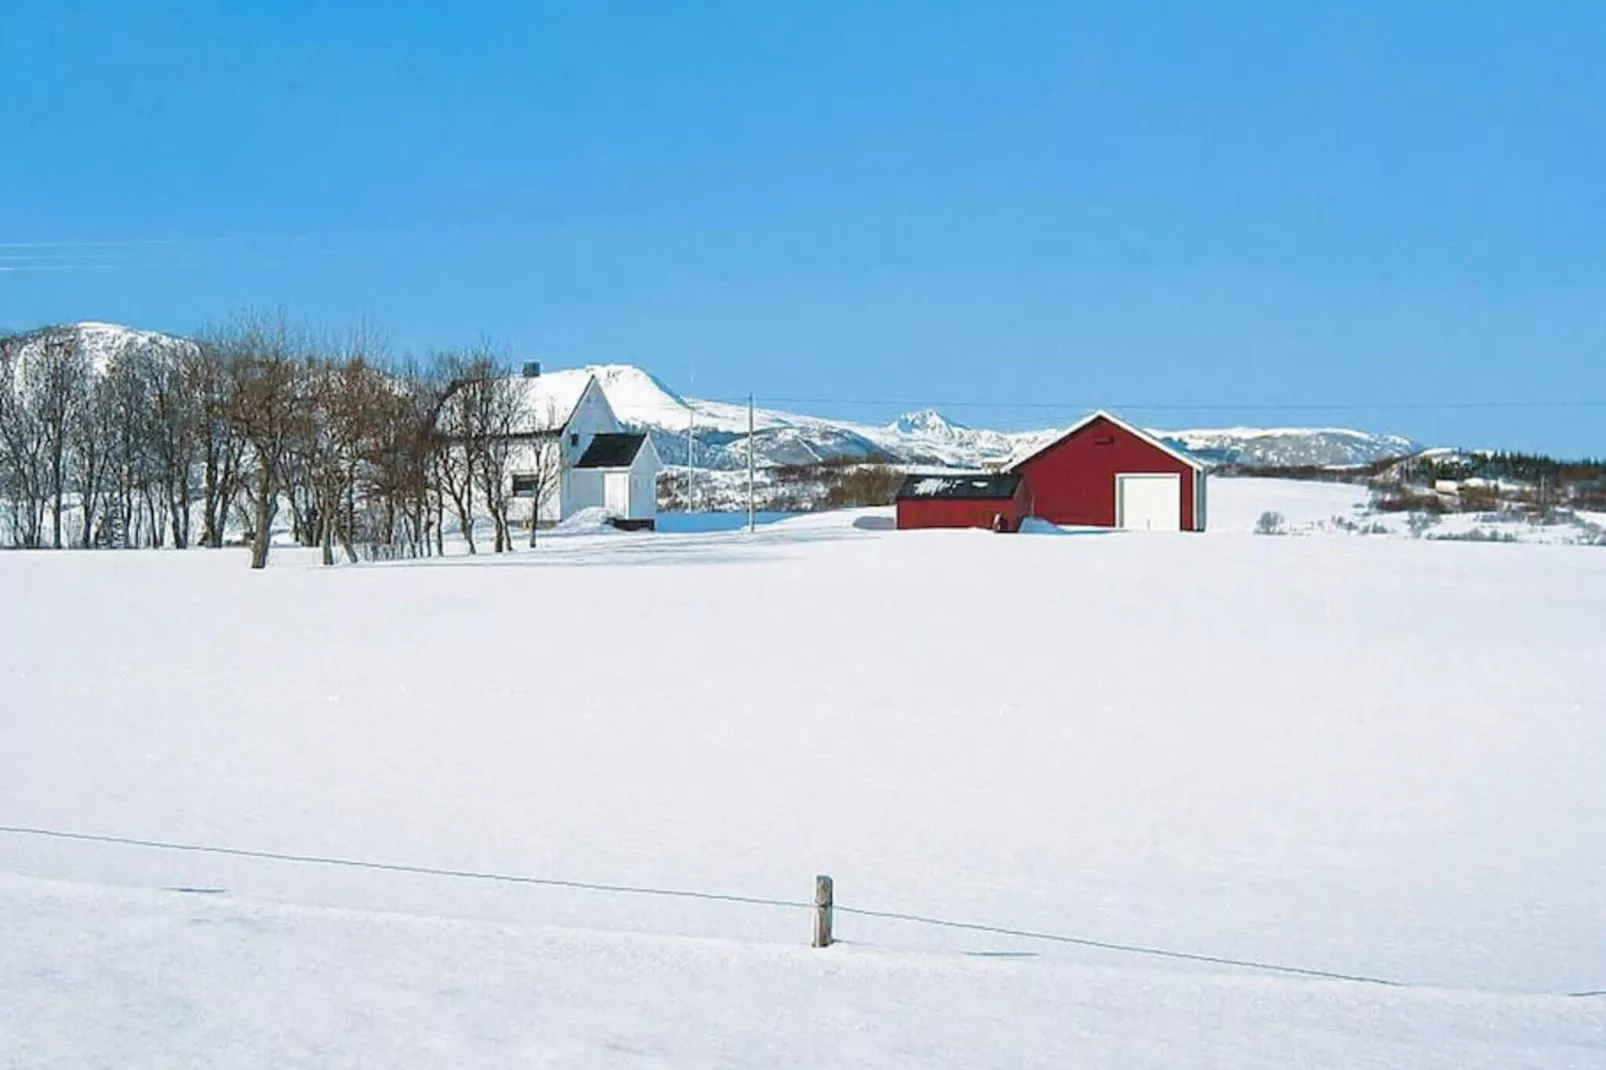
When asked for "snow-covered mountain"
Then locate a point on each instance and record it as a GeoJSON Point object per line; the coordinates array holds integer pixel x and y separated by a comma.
{"type": "Point", "coordinates": [101, 343]}
{"type": "Point", "coordinates": [106, 341]}
{"type": "Point", "coordinates": [1291, 447]}
{"type": "Point", "coordinates": [924, 438]}
{"type": "Point", "coordinates": [718, 430]}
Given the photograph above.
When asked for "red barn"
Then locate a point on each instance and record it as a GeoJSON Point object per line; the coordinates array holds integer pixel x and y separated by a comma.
{"type": "Point", "coordinates": [1105, 473]}
{"type": "Point", "coordinates": [997, 501]}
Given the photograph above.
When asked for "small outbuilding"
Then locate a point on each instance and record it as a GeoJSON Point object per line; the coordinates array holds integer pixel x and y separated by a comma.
{"type": "Point", "coordinates": [1103, 472]}
{"type": "Point", "coordinates": [618, 472]}
{"type": "Point", "coordinates": [995, 501]}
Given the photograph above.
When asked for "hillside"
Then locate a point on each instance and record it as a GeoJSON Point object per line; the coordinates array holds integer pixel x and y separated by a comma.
{"type": "Point", "coordinates": [103, 342]}
{"type": "Point", "coordinates": [1291, 447]}
{"type": "Point", "coordinates": [921, 438]}
{"type": "Point", "coordinates": [89, 970]}
{"type": "Point", "coordinates": [927, 438]}
{"type": "Point", "coordinates": [1323, 756]}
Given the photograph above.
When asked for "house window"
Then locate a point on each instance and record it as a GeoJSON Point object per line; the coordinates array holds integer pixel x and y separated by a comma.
{"type": "Point", "coordinates": [574, 438]}
{"type": "Point", "coordinates": [526, 486]}
{"type": "Point", "coordinates": [1104, 440]}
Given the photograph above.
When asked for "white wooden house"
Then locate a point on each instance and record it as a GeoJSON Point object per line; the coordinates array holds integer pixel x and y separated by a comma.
{"type": "Point", "coordinates": [573, 453]}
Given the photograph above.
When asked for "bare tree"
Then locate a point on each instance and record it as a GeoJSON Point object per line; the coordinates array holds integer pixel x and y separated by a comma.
{"type": "Point", "coordinates": [90, 450]}
{"type": "Point", "coordinates": [460, 447]}
{"type": "Point", "coordinates": [220, 447]}
{"type": "Point", "coordinates": [498, 415]}
{"type": "Point", "coordinates": [398, 474]}
{"type": "Point", "coordinates": [349, 401]}
{"type": "Point", "coordinates": [177, 430]}
{"type": "Point", "coordinates": [537, 471]}
{"type": "Point", "coordinates": [268, 399]}
{"type": "Point", "coordinates": [249, 419]}
{"type": "Point", "coordinates": [22, 449]}
{"type": "Point", "coordinates": [55, 380]}
{"type": "Point", "coordinates": [123, 413]}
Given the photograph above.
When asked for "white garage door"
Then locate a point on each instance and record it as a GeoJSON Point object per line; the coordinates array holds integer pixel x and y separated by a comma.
{"type": "Point", "coordinates": [1148, 502]}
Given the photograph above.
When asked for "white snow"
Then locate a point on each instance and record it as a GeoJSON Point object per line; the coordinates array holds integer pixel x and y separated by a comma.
{"type": "Point", "coordinates": [1292, 446]}
{"type": "Point", "coordinates": [1235, 505]}
{"type": "Point", "coordinates": [589, 521]}
{"type": "Point", "coordinates": [116, 978]}
{"type": "Point", "coordinates": [1371, 756]}
{"type": "Point", "coordinates": [550, 398]}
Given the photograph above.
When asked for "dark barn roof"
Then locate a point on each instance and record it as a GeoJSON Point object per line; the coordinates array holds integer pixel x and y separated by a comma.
{"type": "Point", "coordinates": [611, 450]}
{"type": "Point", "coordinates": [979, 487]}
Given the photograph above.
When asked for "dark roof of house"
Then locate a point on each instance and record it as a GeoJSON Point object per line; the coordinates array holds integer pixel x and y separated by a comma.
{"type": "Point", "coordinates": [980, 486]}
{"type": "Point", "coordinates": [611, 450]}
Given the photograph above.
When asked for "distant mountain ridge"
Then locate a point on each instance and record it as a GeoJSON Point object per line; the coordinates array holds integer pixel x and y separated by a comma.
{"type": "Point", "coordinates": [1291, 447]}
{"type": "Point", "coordinates": [927, 438]}
{"type": "Point", "coordinates": [923, 438]}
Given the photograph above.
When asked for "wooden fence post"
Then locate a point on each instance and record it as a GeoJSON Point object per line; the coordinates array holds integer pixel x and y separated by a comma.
{"type": "Point", "coordinates": [824, 901]}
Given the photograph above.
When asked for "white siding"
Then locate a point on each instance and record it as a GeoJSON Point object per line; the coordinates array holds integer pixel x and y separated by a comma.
{"type": "Point", "coordinates": [644, 483]}
{"type": "Point", "coordinates": [592, 416]}
{"type": "Point", "coordinates": [643, 495]}
{"type": "Point", "coordinates": [584, 489]}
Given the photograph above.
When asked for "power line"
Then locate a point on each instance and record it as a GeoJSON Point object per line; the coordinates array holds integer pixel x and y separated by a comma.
{"type": "Point", "coordinates": [1131, 949]}
{"type": "Point", "coordinates": [55, 261]}
{"type": "Point", "coordinates": [394, 867]}
{"type": "Point", "coordinates": [13, 269]}
{"type": "Point", "coordinates": [432, 871]}
{"type": "Point", "coordinates": [682, 893]}
{"type": "Point", "coordinates": [161, 243]}
{"type": "Point", "coordinates": [738, 405]}
{"type": "Point", "coordinates": [58, 257]}
{"type": "Point", "coordinates": [1404, 406]}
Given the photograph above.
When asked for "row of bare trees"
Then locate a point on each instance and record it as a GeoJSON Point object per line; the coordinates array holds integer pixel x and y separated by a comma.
{"type": "Point", "coordinates": [225, 432]}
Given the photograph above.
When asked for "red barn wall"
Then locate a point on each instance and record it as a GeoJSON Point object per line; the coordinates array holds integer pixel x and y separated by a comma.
{"type": "Point", "coordinates": [1073, 481]}
{"type": "Point", "coordinates": [963, 512]}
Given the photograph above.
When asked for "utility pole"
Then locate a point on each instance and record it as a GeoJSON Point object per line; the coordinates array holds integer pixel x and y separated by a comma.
{"type": "Point", "coordinates": [691, 423]}
{"type": "Point", "coordinates": [752, 510]}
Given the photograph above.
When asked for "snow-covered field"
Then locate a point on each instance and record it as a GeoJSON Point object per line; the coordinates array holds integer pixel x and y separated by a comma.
{"type": "Point", "coordinates": [1316, 509]}
{"type": "Point", "coordinates": [121, 978]}
{"type": "Point", "coordinates": [1367, 756]}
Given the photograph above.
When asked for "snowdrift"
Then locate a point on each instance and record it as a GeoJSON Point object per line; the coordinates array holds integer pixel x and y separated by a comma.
{"type": "Point", "coordinates": [1370, 756]}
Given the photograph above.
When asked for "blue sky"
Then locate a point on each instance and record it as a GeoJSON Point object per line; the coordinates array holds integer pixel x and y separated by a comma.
{"type": "Point", "coordinates": [1371, 214]}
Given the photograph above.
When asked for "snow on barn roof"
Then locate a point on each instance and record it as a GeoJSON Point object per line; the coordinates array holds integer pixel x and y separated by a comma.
{"type": "Point", "coordinates": [978, 485]}
{"type": "Point", "coordinates": [611, 450]}
{"type": "Point", "coordinates": [1040, 446]}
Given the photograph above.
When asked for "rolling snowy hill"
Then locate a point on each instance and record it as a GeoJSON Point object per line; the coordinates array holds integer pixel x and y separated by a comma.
{"type": "Point", "coordinates": [1291, 447]}
{"type": "Point", "coordinates": [921, 438]}
{"type": "Point", "coordinates": [103, 342]}
{"type": "Point", "coordinates": [927, 438]}
{"type": "Point", "coordinates": [1356, 755]}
